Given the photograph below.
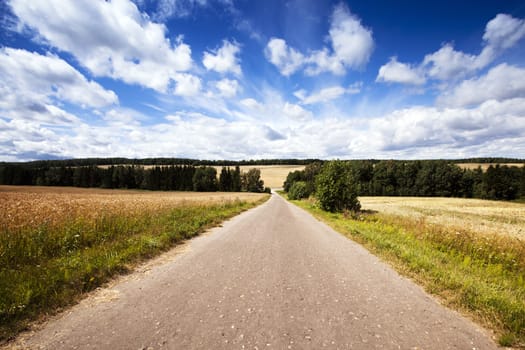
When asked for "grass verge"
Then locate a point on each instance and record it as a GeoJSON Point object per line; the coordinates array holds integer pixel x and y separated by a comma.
{"type": "Point", "coordinates": [45, 268]}
{"type": "Point", "coordinates": [481, 275]}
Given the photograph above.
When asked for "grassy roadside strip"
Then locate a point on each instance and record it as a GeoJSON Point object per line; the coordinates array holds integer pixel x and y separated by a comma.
{"type": "Point", "coordinates": [483, 276]}
{"type": "Point", "coordinates": [47, 268]}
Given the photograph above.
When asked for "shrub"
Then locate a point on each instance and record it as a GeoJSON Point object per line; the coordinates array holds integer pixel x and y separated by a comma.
{"type": "Point", "coordinates": [337, 187]}
{"type": "Point", "coordinates": [298, 190]}
{"type": "Point", "coordinates": [293, 177]}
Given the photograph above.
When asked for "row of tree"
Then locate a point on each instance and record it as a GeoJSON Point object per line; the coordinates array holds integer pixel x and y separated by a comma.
{"type": "Point", "coordinates": [438, 178]}
{"type": "Point", "coordinates": [54, 163]}
{"type": "Point", "coordinates": [163, 178]}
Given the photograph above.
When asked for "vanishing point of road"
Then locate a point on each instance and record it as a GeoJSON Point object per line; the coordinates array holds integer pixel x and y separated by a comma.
{"type": "Point", "coordinates": [272, 278]}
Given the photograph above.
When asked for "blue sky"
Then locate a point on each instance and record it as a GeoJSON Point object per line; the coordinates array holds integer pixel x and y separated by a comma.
{"type": "Point", "coordinates": [242, 79]}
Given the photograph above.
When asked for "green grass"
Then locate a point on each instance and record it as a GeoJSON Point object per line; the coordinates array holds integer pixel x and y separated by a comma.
{"type": "Point", "coordinates": [46, 268]}
{"type": "Point", "coordinates": [483, 276]}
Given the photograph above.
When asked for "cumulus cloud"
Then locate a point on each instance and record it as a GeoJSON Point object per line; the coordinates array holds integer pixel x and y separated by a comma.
{"type": "Point", "coordinates": [29, 72]}
{"type": "Point", "coordinates": [448, 64]}
{"type": "Point", "coordinates": [122, 43]}
{"type": "Point", "coordinates": [451, 128]}
{"type": "Point", "coordinates": [33, 86]}
{"type": "Point", "coordinates": [504, 31]}
{"type": "Point", "coordinates": [397, 72]}
{"type": "Point", "coordinates": [224, 59]}
{"type": "Point", "coordinates": [296, 112]}
{"type": "Point", "coordinates": [500, 83]}
{"type": "Point", "coordinates": [286, 58]}
{"type": "Point", "coordinates": [493, 128]}
{"type": "Point", "coordinates": [327, 94]}
{"type": "Point", "coordinates": [501, 33]}
{"type": "Point", "coordinates": [351, 47]}
{"type": "Point", "coordinates": [227, 87]}
{"type": "Point", "coordinates": [187, 84]}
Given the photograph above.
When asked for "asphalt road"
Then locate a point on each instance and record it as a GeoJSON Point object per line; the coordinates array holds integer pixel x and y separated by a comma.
{"type": "Point", "coordinates": [272, 278]}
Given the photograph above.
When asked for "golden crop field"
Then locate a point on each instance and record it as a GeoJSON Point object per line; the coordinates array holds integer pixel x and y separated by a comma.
{"type": "Point", "coordinates": [25, 206]}
{"type": "Point", "coordinates": [475, 215]}
{"type": "Point", "coordinates": [272, 175]}
{"type": "Point", "coordinates": [484, 166]}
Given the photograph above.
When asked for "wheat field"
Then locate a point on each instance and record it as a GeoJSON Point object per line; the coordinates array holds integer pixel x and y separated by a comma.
{"type": "Point", "coordinates": [272, 175]}
{"type": "Point", "coordinates": [484, 166]}
{"type": "Point", "coordinates": [30, 206]}
{"type": "Point", "coordinates": [474, 215]}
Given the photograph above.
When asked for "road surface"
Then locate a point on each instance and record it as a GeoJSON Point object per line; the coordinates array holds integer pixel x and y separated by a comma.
{"type": "Point", "coordinates": [272, 278]}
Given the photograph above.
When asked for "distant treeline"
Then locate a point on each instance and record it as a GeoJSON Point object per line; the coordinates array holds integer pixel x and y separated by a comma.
{"type": "Point", "coordinates": [437, 178]}
{"type": "Point", "coordinates": [198, 162]}
{"type": "Point", "coordinates": [163, 178]}
{"type": "Point", "coordinates": [155, 161]}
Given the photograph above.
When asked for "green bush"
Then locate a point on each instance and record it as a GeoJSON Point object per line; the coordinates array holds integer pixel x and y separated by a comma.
{"type": "Point", "coordinates": [292, 178]}
{"type": "Point", "coordinates": [298, 190]}
{"type": "Point", "coordinates": [337, 187]}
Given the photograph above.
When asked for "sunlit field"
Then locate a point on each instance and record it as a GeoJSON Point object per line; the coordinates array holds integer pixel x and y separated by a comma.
{"type": "Point", "coordinates": [484, 166]}
{"type": "Point", "coordinates": [273, 175]}
{"type": "Point", "coordinates": [58, 243]}
{"type": "Point", "coordinates": [29, 206]}
{"type": "Point", "coordinates": [475, 215]}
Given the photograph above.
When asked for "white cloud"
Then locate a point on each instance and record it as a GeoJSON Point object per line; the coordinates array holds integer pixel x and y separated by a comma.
{"type": "Point", "coordinates": [494, 128]}
{"type": "Point", "coordinates": [224, 60]}
{"type": "Point", "coordinates": [500, 83]}
{"type": "Point", "coordinates": [501, 33]}
{"type": "Point", "coordinates": [251, 103]}
{"type": "Point", "coordinates": [187, 85]}
{"type": "Point", "coordinates": [27, 72]}
{"type": "Point", "coordinates": [327, 94]}
{"type": "Point", "coordinates": [287, 59]}
{"type": "Point", "coordinates": [34, 87]}
{"type": "Point", "coordinates": [397, 72]}
{"type": "Point", "coordinates": [351, 42]}
{"type": "Point", "coordinates": [122, 43]}
{"type": "Point", "coordinates": [449, 64]}
{"type": "Point", "coordinates": [296, 112]}
{"type": "Point", "coordinates": [228, 88]}
{"type": "Point", "coordinates": [351, 47]}
{"type": "Point", "coordinates": [123, 118]}
{"type": "Point", "coordinates": [504, 31]}
{"type": "Point", "coordinates": [451, 129]}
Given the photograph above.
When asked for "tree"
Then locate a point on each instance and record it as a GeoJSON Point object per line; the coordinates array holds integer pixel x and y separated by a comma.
{"type": "Point", "coordinates": [310, 173]}
{"type": "Point", "coordinates": [226, 180]}
{"type": "Point", "coordinates": [294, 176]}
{"type": "Point", "coordinates": [385, 179]}
{"type": "Point", "coordinates": [252, 181]}
{"type": "Point", "coordinates": [236, 179]}
{"type": "Point", "coordinates": [337, 187]}
{"type": "Point", "coordinates": [205, 179]}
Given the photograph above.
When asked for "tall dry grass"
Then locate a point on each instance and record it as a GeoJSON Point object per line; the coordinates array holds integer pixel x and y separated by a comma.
{"type": "Point", "coordinates": [56, 244]}
{"type": "Point", "coordinates": [456, 214]}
